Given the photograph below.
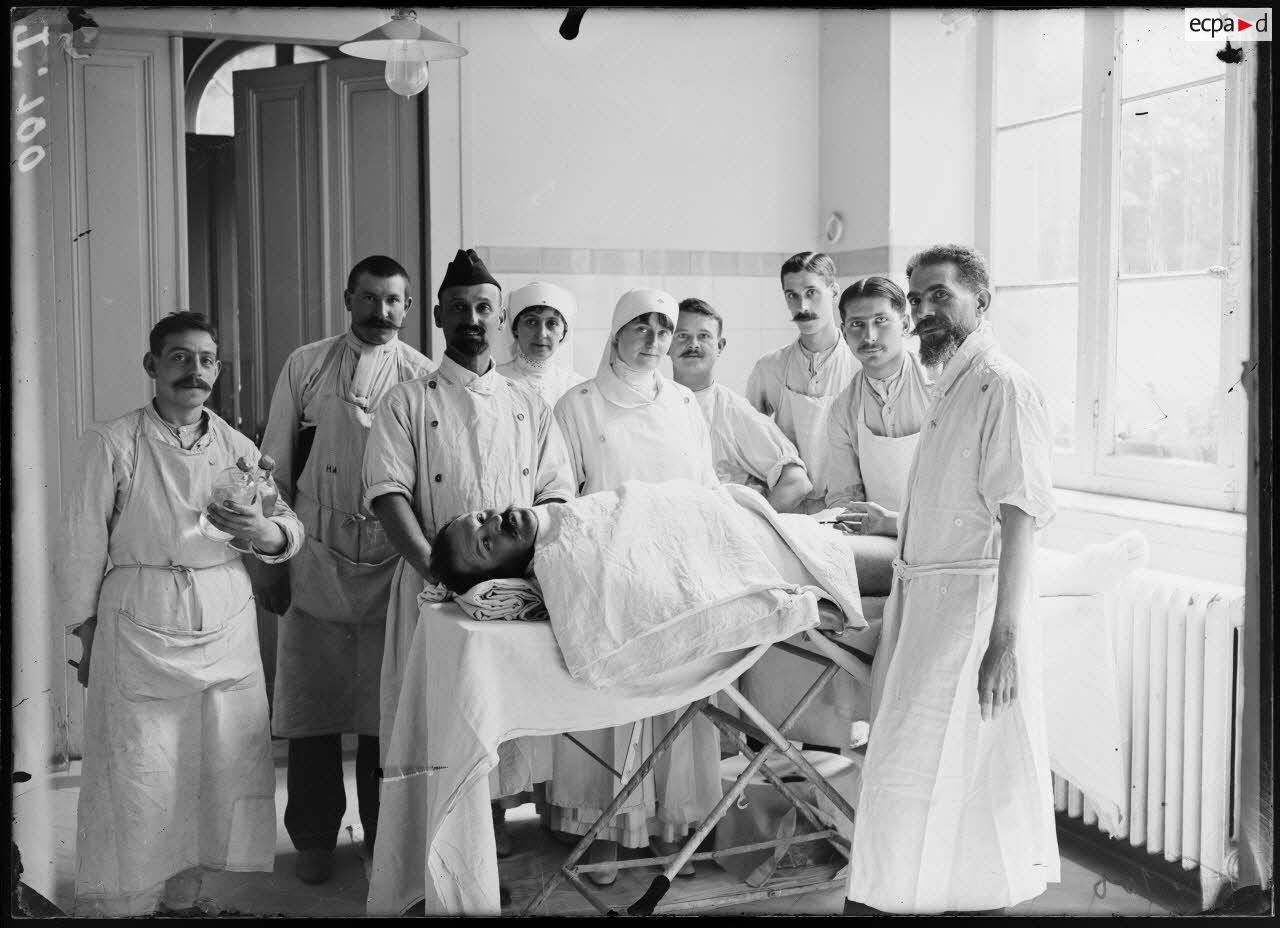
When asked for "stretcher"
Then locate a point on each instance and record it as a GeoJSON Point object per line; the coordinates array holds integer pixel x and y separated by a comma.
{"type": "Point", "coordinates": [751, 724]}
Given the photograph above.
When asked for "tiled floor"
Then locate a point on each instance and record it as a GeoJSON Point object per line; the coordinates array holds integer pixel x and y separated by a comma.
{"type": "Point", "coordinates": [1085, 888]}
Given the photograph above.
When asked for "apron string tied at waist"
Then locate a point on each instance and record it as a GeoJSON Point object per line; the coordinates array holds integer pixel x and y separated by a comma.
{"type": "Point", "coordinates": [976, 567]}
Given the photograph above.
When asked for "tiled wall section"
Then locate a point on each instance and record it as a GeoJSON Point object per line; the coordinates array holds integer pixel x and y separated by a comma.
{"type": "Point", "coordinates": [742, 286]}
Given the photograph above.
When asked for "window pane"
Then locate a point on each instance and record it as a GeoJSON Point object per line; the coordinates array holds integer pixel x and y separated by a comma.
{"type": "Point", "coordinates": [1039, 56]}
{"type": "Point", "coordinates": [1037, 202]}
{"type": "Point", "coordinates": [1037, 328]}
{"type": "Point", "coordinates": [1167, 368]}
{"type": "Point", "coordinates": [216, 113]}
{"type": "Point", "coordinates": [1171, 164]}
{"type": "Point", "coordinates": [1156, 55]}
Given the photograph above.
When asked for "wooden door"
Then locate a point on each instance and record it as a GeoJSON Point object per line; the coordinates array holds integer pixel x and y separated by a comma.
{"type": "Point", "coordinates": [328, 167]}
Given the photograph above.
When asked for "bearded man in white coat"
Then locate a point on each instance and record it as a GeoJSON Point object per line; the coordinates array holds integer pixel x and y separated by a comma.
{"type": "Point", "coordinates": [540, 316]}
{"type": "Point", "coordinates": [462, 435]}
{"type": "Point", "coordinates": [178, 777]}
{"type": "Point", "coordinates": [798, 383]}
{"type": "Point", "coordinates": [956, 808]}
{"type": "Point", "coordinates": [631, 423]}
{"type": "Point", "coordinates": [332, 598]}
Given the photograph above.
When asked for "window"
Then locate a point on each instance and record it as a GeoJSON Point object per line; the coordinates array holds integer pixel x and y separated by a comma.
{"type": "Point", "coordinates": [1118, 237]}
{"type": "Point", "coordinates": [215, 113]}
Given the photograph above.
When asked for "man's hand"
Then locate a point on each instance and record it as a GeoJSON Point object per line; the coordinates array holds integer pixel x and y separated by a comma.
{"type": "Point", "coordinates": [247, 521]}
{"type": "Point", "coordinates": [85, 633]}
{"type": "Point", "coordinates": [867, 519]}
{"type": "Point", "coordinates": [997, 678]}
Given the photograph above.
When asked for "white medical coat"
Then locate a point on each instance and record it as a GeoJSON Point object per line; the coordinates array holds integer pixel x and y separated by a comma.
{"type": "Point", "coordinates": [902, 414]}
{"type": "Point", "coordinates": [550, 382]}
{"type": "Point", "coordinates": [329, 653]}
{"type": "Point", "coordinates": [798, 389]}
{"type": "Point", "coordinates": [745, 444]}
{"type": "Point", "coordinates": [177, 768]}
{"type": "Point", "coordinates": [614, 435]}
{"type": "Point", "coordinates": [451, 442]}
{"type": "Point", "coordinates": [956, 813]}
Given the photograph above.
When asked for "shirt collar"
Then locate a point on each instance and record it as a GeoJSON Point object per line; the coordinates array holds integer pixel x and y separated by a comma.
{"type": "Point", "coordinates": [168, 432]}
{"type": "Point", "coordinates": [357, 344]}
{"type": "Point", "coordinates": [455, 373]}
{"type": "Point", "coordinates": [979, 341]}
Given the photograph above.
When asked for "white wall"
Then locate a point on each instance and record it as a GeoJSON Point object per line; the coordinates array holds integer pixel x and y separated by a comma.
{"type": "Point", "coordinates": [651, 129]}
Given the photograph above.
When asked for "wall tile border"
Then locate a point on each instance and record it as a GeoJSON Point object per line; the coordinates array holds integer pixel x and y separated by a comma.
{"type": "Point", "coordinates": [635, 262]}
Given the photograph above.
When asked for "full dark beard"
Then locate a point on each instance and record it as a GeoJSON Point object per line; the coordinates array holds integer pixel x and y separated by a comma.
{"type": "Point", "coordinates": [940, 343]}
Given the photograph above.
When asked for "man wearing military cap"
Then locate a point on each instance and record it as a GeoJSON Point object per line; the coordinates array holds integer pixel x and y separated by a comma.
{"type": "Point", "coordinates": [463, 437]}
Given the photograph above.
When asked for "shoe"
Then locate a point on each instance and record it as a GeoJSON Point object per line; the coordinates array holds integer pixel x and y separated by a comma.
{"type": "Point", "coordinates": [859, 908]}
{"type": "Point", "coordinates": [501, 838]}
{"type": "Point", "coordinates": [668, 849]}
{"type": "Point", "coordinates": [602, 852]}
{"type": "Point", "coordinates": [314, 865]}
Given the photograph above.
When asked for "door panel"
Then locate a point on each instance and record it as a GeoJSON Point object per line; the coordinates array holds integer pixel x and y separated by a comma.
{"type": "Point", "coordinates": [328, 168]}
{"type": "Point", "coordinates": [374, 180]}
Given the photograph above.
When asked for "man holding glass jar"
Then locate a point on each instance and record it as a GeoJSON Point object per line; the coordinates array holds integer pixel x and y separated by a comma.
{"type": "Point", "coordinates": [177, 774]}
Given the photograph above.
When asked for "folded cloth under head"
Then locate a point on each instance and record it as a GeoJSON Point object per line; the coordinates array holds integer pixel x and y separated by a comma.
{"type": "Point", "coordinates": [508, 600]}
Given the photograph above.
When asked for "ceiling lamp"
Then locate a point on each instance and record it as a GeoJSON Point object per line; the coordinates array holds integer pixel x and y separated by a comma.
{"type": "Point", "coordinates": [406, 47]}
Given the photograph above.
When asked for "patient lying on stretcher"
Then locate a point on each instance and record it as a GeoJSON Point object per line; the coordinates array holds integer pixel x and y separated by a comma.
{"type": "Point", "coordinates": [652, 576]}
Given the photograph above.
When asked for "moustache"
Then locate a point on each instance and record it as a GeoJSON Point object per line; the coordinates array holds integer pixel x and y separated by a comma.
{"type": "Point", "coordinates": [383, 324]}
{"type": "Point", "coordinates": [472, 333]}
{"type": "Point", "coordinates": [692, 353]}
{"type": "Point", "coordinates": [804, 317]}
{"type": "Point", "coordinates": [194, 383]}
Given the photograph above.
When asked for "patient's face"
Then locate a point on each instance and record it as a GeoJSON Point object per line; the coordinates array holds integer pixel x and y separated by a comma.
{"type": "Point", "coordinates": [493, 543]}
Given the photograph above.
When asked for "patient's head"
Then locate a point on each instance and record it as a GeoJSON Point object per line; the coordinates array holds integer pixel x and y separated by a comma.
{"type": "Point", "coordinates": [483, 545]}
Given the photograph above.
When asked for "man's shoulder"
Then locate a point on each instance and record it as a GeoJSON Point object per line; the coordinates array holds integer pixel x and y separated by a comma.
{"type": "Point", "coordinates": [774, 359]}
{"type": "Point", "coordinates": [997, 367]}
{"type": "Point", "coordinates": [415, 358]}
{"type": "Point", "coordinates": [116, 432]}
{"type": "Point", "coordinates": [312, 352]}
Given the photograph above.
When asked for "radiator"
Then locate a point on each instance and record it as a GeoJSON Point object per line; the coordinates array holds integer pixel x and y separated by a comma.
{"type": "Point", "coordinates": [1177, 649]}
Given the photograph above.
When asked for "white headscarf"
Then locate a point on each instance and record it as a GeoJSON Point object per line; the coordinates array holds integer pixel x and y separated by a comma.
{"type": "Point", "coordinates": [643, 384]}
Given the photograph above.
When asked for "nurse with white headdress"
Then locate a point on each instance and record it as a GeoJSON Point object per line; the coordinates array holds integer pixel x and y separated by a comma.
{"type": "Point", "coordinates": [631, 423]}
{"type": "Point", "coordinates": [541, 315]}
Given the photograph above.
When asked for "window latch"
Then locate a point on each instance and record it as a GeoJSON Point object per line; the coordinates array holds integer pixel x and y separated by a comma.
{"type": "Point", "coordinates": [1217, 270]}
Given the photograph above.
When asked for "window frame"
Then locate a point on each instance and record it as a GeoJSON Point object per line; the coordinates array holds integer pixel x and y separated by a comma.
{"type": "Point", "coordinates": [1090, 466]}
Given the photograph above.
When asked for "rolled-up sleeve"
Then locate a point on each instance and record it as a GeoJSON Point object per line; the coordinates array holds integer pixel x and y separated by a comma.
{"type": "Point", "coordinates": [844, 472]}
{"type": "Point", "coordinates": [761, 445]}
{"type": "Point", "coordinates": [390, 455]}
{"type": "Point", "coordinates": [85, 532]}
{"type": "Point", "coordinates": [555, 469]}
{"type": "Point", "coordinates": [1016, 467]}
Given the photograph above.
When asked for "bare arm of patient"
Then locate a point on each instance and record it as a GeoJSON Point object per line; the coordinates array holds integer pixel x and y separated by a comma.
{"type": "Point", "coordinates": [402, 528]}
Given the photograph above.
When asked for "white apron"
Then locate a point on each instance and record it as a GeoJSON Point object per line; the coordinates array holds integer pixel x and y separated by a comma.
{"type": "Point", "coordinates": [885, 463]}
{"type": "Point", "coordinates": [807, 416]}
{"type": "Point", "coordinates": [329, 656]}
{"type": "Point", "coordinates": [178, 768]}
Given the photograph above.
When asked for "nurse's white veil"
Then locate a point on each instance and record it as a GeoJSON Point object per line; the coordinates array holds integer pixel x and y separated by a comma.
{"type": "Point", "coordinates": [639, 302]}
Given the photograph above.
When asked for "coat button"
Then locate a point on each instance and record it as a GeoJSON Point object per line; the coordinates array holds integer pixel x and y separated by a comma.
{"type": "Point", "coordinates": [957, 520]}
{"type": "Point", "coordinates": [520, 416]}
{"type": "Point", "coordinates": [933, 425]}
{"type": "Point", "coordinates": [440, 477]}
{"type": "Point", "coordinates": [943, 591]}
{"type": "Point", "coordinates": [686, 399]}
{"type": "Point", "coordinates": [601, 438]}
{"type": "Point", "coordinates": [431, 384]}
{"type": "Point", "coordinates": [525, 472]}
{"type": "Point", "coordinates": [964, 453]}
{"type": "Point", "coordinates": [435, 423]}
{"type": "Point", "coordinates": [583, 391]}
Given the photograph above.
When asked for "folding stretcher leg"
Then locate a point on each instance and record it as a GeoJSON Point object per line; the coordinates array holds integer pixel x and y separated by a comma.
{"type": "Point", "coordinates": [570, 869]}
{"type": "Point", "coordinates": [661, 883]}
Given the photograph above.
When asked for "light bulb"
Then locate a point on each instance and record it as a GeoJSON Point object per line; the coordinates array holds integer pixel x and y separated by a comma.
{"type": "Point", "coordinates": [406, 71]}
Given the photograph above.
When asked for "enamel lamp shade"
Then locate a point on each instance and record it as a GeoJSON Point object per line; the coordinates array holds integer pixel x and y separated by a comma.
{"type": "Point", "coordinates": [406, 47]}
